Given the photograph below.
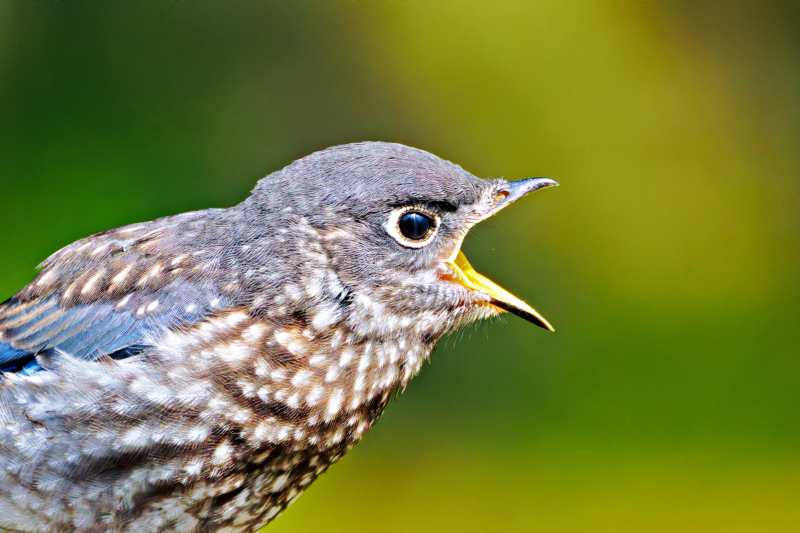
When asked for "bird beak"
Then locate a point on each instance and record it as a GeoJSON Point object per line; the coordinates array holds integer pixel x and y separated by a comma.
{"type": "Point", "coordinates": [467, 277]}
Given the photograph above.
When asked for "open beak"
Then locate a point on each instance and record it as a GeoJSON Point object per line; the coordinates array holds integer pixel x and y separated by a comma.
{"type": "Point", "coordinates": [466, 276]}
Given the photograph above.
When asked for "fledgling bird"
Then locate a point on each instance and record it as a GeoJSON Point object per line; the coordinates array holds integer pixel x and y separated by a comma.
{"type": "Point", "coordinates": [198, 372]}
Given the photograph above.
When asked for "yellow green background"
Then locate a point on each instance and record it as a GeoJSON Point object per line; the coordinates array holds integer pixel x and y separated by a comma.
{"type": "Point", "coordinates": [668, 261]}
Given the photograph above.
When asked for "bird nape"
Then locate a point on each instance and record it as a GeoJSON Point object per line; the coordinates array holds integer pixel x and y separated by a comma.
{"type": "Point", "coordinates": [198, 372]}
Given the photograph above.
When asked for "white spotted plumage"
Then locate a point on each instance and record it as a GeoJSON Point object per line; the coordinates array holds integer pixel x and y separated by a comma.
{"type": "Point", "coordinates": [220, 361]}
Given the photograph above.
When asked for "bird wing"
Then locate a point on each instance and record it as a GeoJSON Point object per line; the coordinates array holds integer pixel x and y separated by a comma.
{"type": "Point", "coordinates": [112, 294]}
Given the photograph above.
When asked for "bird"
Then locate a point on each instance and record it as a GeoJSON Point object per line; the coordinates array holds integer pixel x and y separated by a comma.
{"type": "Point", "coordinates": [198, 372]}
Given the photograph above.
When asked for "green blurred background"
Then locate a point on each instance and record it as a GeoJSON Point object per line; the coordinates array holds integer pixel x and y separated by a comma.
{"type": "Point", "coordinates": [668, 260]}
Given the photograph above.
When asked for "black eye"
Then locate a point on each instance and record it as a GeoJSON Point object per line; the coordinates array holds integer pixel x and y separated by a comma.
{"type": "Point", "coordinates": [414, 225]}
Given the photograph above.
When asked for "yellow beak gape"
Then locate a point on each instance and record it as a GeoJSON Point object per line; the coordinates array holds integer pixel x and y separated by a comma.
{"type": "Point", "coordinates": [467, 277]}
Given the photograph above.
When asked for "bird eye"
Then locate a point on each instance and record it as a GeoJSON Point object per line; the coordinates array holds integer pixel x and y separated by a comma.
{"type": "Point", "coordinates": [414, 225]}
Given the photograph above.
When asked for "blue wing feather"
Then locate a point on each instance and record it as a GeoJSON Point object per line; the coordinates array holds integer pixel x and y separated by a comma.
{"type": "Point", "coordinates": [89, 331]}
{"type": "Point", "coordinates": [114, 292]}
{"type": "Point", "coordinates": [63, 327]}
{"type": "Point", "coordinates": [119, 333]}
{"type": "Point", "coordinates": [108, 332]}
{"type": "Point", "coordinates": [9, 354]}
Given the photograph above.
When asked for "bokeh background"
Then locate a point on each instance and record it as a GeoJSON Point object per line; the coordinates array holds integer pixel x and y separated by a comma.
{"type": "Point", "coordinates": [668, 260]}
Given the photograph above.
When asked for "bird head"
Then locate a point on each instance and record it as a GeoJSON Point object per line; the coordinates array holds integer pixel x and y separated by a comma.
{"type": "Point", "coordinates": [390, 221]}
